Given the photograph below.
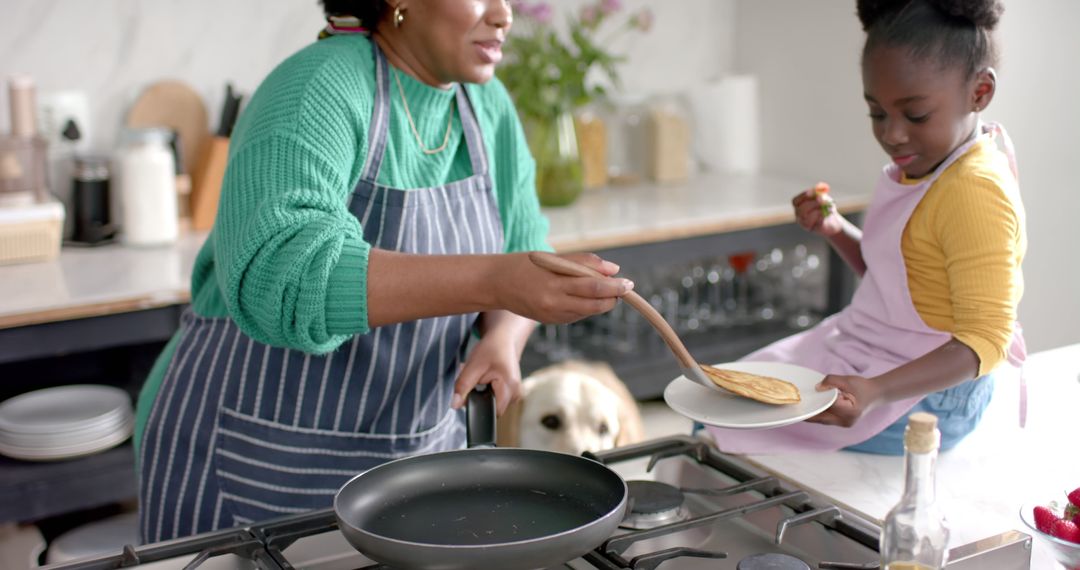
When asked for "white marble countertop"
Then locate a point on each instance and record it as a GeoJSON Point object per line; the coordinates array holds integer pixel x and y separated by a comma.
{"type": "Point", "coordinates": [86, 282]}
{"type": "Point", "coordinates": [984, 480]}
{"type": "Point", "coordinates": [707, 204]}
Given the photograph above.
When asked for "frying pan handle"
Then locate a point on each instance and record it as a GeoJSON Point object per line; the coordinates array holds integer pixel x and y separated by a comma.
{"type": "Point", "coordinates": [480, 417]}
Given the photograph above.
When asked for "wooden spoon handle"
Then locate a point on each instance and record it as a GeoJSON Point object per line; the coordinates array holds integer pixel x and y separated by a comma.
{"type": "Point", "coordinates": [564, 266]}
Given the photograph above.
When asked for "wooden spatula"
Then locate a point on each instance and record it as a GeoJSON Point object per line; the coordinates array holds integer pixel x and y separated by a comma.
{"type": "Point", "coordinates": [687, 364]}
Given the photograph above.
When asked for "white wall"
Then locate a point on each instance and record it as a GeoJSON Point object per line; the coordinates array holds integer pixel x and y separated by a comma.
{"type": "Point", "coordinates": [112, 48]}
{"type": "Point", "coordinates": [814, 123]}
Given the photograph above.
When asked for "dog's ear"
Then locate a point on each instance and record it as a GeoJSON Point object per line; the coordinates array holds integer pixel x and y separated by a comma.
{"type": "Point", "coordinates": [508, 425]}
{"type": "Point", "coordinates": [631, 425]}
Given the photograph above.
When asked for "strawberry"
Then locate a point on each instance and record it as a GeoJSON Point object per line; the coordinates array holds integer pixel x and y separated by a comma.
{"type": "Point", "coordinates": [1045, 519]}
{"type": "Point", "coordinates": [1074, 497]}
{"type": "Point", "coordinates": [1072, 513]}
{"type": "Point", "coordinates": [821, 189]}
{"type": "Point", "coordinates": [1066, 530]}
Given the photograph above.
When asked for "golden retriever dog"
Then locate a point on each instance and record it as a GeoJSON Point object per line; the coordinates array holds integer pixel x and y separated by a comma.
{"type": "Point", "coordinates": [572, 407]}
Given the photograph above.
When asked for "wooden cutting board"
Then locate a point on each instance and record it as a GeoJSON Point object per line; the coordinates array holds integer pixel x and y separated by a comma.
{"type": "Point", "coordinates": [174, 104]}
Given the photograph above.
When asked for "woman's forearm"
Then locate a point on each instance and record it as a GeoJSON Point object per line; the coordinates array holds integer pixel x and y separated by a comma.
{"type": "Point", "coordinates": [404, 287]}
{"type": "Point", "coordinates": [515, 329]}
{"type": "Point", "coordinates": [847, 243]}
{"type": "Point", "coordinates": [941, 368]}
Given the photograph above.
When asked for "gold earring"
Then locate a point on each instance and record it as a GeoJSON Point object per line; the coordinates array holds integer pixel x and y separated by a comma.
{"type": "Point", "coordinates": [399, 16]}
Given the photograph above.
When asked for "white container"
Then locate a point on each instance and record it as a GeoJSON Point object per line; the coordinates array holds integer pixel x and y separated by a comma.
{"type": "Point", "coordinates": [147, 177]}
{"type": "Point", "coordinates": [30, 233]}
{"type": "Point", "coordinates": [727, 124]}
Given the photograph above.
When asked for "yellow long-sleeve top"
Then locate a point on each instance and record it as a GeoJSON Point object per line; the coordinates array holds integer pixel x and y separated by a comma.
{"type": "Point", "coordinates": [963, 247]}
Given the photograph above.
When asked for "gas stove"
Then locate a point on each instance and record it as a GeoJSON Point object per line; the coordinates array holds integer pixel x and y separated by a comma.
{"type": "Point", "coordinates": [699, 508]}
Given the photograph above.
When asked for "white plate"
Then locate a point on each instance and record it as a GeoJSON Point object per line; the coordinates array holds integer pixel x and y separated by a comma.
{"type": "Point", "coordinates": [720, 409]}
{"type": "Point", "coordinates": [68, 452]}
{"type": "Point", "coordinates": [62, 408]}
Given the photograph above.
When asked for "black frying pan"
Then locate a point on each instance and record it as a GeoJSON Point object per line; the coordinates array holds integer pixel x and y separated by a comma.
{"type": "Point", "coordinates": [481, 507]}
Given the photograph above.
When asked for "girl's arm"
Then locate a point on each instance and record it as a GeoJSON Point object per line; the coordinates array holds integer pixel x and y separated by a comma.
{"type": "Point", "coordinates": [847, 242]}
{"type": "Point", "coordinates": [816, 212]}
{"type": "Point", "coordinates": [944, 367]}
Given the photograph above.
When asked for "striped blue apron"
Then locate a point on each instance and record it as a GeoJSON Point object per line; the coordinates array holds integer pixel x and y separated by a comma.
{"type": "Point", "coordinates": [241, 431]}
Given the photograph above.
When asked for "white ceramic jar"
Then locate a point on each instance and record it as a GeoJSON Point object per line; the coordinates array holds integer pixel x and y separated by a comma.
{"type": "Point", "coordinates": [146, 167]}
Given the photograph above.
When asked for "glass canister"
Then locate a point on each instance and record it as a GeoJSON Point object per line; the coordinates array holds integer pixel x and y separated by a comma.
{"type": "Point", "coordinates": [628, 140]}
{"type": "Point", "coordinates": [146, 169]}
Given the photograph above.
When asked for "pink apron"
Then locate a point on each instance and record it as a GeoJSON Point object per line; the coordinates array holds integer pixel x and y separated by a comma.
{"type": "Point", "coordinates": [877, 332]}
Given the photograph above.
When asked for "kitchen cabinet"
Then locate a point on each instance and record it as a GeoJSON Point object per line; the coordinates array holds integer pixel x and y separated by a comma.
{"type": "Point", "coordinates": [102, 314]}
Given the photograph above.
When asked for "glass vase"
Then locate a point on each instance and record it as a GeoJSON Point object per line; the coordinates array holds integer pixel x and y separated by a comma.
{"type": "Point", "coordinates": [559, 179]}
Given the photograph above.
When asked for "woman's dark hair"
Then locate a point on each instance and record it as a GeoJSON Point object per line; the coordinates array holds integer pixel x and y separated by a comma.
{"type": "Point", "coordinates": [953, 32]}
{"type": "Point", "coordinates": [368, 11]}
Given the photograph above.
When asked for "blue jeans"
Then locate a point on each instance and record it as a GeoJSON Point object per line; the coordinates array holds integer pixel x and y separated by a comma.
{"type": "Point", "coordinates": [958, 409]}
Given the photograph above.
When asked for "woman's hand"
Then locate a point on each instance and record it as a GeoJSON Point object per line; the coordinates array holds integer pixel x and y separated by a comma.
{"type": "Point", "coordinates": [857, 396]}
{"type": "Point", "coordinates": [495, 360]}
{"type": "Point", "coordinates": [816, 212]}
{"type": "Point", "coordinates": [542, 295]}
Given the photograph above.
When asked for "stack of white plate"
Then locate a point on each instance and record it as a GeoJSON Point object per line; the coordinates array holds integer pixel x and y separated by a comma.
{"type": "Point", "coordinates": [65, 422]}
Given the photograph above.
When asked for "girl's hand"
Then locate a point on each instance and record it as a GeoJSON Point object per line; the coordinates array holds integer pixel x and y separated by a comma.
{"type": "Point", "coordinates": [494, 360]}
{"type": "Point", "coordinates": [536, 293]}
{"type": "Point", "coordinates": [816, 212]}
{"type": "Point", "coordinates": [857, 396]}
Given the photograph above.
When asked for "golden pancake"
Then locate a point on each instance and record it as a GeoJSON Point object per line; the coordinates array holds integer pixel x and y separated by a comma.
{"type": "Point", "coordinates": [761, 388]}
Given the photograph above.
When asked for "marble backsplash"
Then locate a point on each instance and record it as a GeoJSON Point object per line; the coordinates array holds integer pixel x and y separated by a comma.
{"type": "Point", "coordinates": [111, 49]}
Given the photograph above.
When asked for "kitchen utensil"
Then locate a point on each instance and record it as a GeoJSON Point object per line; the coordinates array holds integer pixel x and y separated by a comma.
{"type": "Point", "coordinates": [210, 170]}
{"type": "Point", "coordinates": [717, 409]}
{"type": "Point", "coordinates": [690, 367]}
{"type": "Point", "coordinates": [482, 507]}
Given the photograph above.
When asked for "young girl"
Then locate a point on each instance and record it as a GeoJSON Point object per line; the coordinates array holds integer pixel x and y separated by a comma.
{"type": "Point", "coordinates": [940, 250]}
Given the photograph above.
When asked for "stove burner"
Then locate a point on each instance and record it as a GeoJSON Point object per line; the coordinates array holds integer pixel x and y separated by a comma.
{"type": "Point", "coordinates": [771, 562]}
{"type": "Point", "coordinates": [653, 504]}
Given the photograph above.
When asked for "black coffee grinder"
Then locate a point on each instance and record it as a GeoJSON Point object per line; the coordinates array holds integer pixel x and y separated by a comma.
{"type": "Point", "coordinates": [91, 201]}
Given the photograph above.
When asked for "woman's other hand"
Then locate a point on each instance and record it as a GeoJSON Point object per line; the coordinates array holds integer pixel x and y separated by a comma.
{"type": "Point", "coordinates": [542, 295]}
{"type": "Point", "coordinates": [857, 396]}
{"type": "Point", "coordinates": [495, 361]}
{"type": "Point", "coordinates": [816, 212]}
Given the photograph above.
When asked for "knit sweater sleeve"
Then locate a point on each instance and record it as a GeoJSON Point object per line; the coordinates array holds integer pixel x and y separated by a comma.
{"type": "Point", "coordinates": [982, 240]}
{"type": "Point", "coordinates": [290, 259]}
{"type": "Point", "coordinates": [513, 171]}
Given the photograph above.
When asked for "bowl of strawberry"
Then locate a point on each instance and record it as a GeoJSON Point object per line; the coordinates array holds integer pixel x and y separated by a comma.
{"type": "Point", "coordinates": [1057, 526]}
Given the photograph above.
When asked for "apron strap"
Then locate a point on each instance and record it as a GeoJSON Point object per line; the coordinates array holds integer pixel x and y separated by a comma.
{"type": "Point", "coordinates": [380, 117]}
{"type": "Point", "coordinates": [473, 136]}
{"type": "Point", "coordinates": [1006, 142]}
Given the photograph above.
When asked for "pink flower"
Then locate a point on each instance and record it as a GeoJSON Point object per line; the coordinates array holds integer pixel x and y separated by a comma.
{"type": "Point", "coordinates": [590, 17]}
{"type": "Point", "coordinates": [538, 11]}
{"type": "Point", "coordinates": [610, 6]}
{"type": "Point", "coordinates": [542, 13]}
{"type": "Point", "coordinates": [643, 20]}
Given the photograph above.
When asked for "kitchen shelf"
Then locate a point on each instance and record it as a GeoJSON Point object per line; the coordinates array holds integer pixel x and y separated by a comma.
{"type": "Point", "coordinates": [32, 491]}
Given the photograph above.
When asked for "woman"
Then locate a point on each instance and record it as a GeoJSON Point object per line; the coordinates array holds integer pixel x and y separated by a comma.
{"type": "Point", "coordinates": [378, 182]}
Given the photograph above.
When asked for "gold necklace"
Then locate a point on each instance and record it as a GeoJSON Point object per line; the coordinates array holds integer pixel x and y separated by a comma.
{"type": "Point", "coordinates": [416, 133]}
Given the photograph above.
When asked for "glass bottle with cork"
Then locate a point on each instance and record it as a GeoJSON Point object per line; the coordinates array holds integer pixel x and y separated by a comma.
{"type": "Point", "coordinates": [915, 535]}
